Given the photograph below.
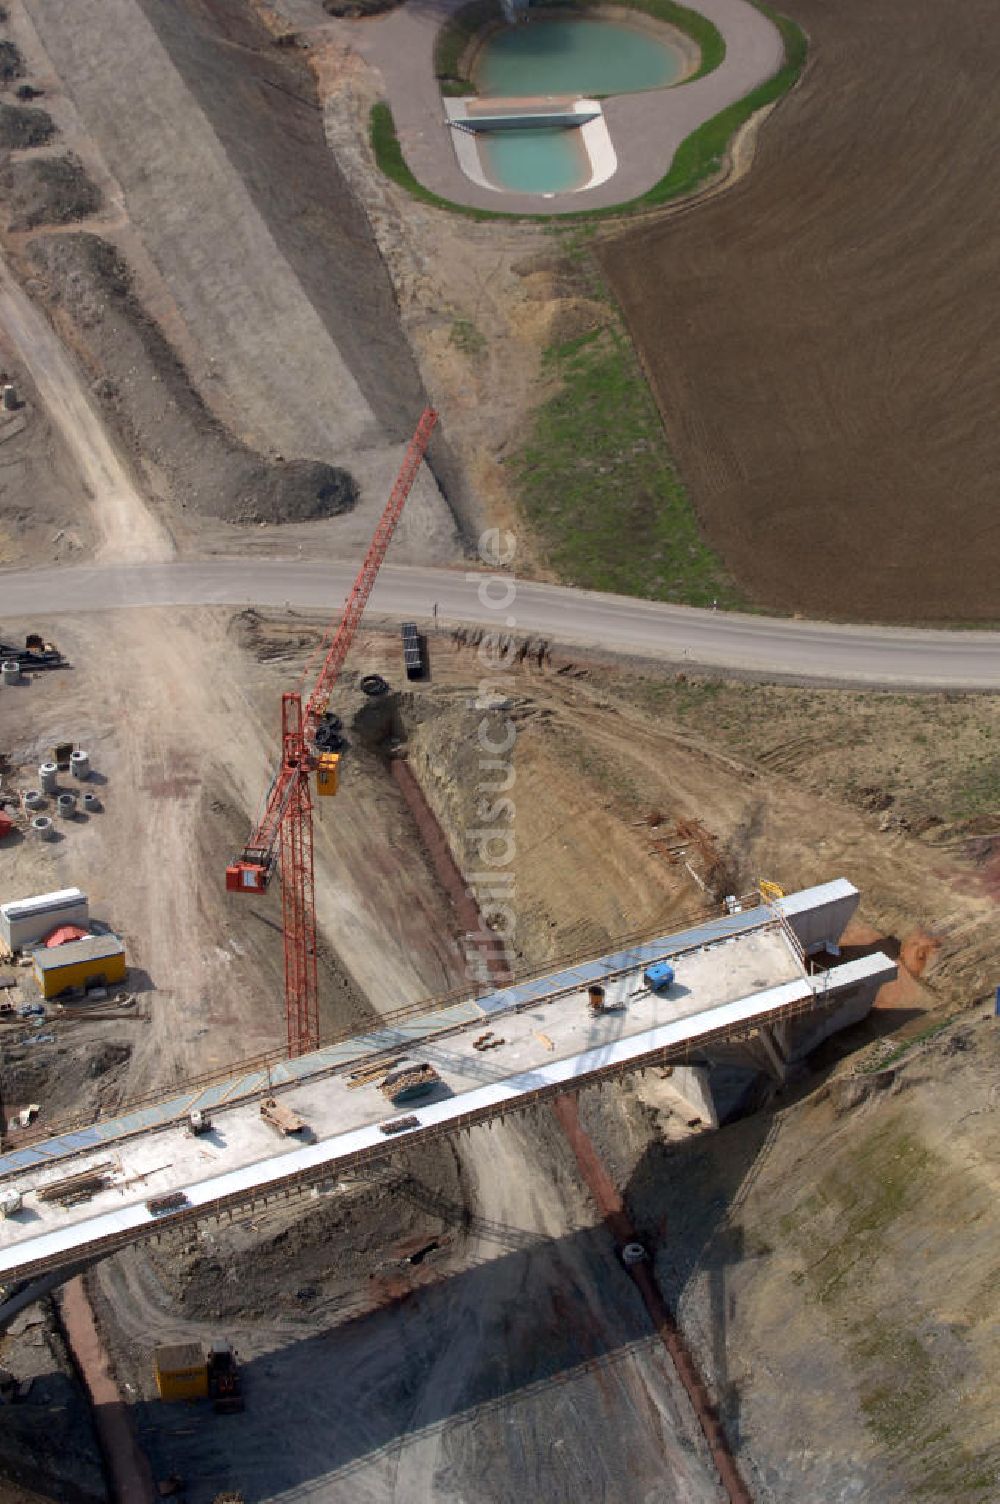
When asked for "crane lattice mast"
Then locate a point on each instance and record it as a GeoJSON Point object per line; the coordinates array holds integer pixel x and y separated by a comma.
{"type": "Point", "coordinates": [285, 828]}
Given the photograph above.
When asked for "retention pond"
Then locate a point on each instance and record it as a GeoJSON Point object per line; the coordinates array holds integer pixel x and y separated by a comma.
{"type": "Point", "coordinates": [535, 159]}
{"type": "Point", "coordinates": [574, 57]}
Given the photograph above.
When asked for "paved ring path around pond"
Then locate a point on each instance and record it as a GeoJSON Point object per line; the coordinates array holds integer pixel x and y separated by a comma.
{"type": "Point", "coordinates": [646, 129]}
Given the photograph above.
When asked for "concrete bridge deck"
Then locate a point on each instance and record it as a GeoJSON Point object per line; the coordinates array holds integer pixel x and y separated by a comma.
{"type": "Point", "coordinates": [733, 977]}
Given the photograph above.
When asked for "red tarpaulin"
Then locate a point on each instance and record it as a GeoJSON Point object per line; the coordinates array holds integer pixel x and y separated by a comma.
{"type": "Point", "coordinates": [64, 933]}
{"type": "Point", "coordinates": [6, 825]}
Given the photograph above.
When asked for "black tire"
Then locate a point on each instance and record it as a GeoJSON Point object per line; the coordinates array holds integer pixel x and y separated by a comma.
{"type": "Point", "coordinates": [374, 684]}
{"type": "Point", "coordinates": [329, 738]}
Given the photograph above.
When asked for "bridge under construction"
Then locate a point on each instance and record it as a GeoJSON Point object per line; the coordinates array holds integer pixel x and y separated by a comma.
{"type": "Point", "coordinates": [747, 982]}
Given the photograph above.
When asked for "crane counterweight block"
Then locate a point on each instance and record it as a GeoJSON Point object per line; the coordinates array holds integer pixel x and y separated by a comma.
{"type": "Point", "coordinates": [247, 877]}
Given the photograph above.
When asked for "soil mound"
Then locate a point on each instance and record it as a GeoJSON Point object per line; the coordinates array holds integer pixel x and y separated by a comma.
{"type": "Point", "coordinates": [354, 9]}
{"type": "Point", "coordinates": [70, 1078]}
{"type": "Point", "coordinates": [22, 126]}
{"type": "Point", "coordinates": [296, 491]}
{"type": "Point", "coordinates": [148, 395]}
{"type": "Point", "coordinates": [353, 1246]}
{"type": "Point", "coordinates": [11, 62]}
{"type": "Point", "coordinates": [50, 191]}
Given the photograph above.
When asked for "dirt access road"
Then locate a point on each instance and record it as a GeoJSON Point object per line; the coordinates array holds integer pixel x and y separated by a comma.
{"type": "Point", "coordinates": [822, 338]}
{"type": "Point", "coordinates": [892, 658]}
{"type": "Point", "coordinates": [127, 529]}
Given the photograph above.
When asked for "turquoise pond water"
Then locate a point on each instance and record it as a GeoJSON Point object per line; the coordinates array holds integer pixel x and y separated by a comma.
{"type": "Point", "coordinates": [575, 57]}
{"type": "Point", "coordinates": [541, 159]}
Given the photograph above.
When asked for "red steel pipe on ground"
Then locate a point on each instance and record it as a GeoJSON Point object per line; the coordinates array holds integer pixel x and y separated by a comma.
{"type": "Point", "coordinates": [612, 1209]}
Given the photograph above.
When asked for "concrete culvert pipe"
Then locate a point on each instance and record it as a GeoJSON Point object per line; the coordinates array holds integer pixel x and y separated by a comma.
{"type": "Point", "coordinates": [91, 803]}
{"type": "Point", "coordinates": [66, 806]}
{"type": "Point", "coordinates": [10, 671]}
{"type": "Point", "coordinates": [42, 828]}
{"type": "Point", "coordinates": [79, 764]}
{"type": "Point", "coordinates": [32, 799]}
{"type": "Point", "coordinates": [48, 773]}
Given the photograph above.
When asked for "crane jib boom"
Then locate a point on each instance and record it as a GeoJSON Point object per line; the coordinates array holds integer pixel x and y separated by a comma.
{"type": "Point", "coordinates": [362, 587]}
{"type": "Point", "coordinates": [253, 868]}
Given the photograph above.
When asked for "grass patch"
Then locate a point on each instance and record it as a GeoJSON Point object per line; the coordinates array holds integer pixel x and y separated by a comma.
{"type": "Point", "coordinates": [847, 1230]}
{"type": "Point", "coordinates": [597, 484]}
{"type": "Point", "coordinates": [455, 37]}
{"type": "Point", "coordinates": [466, 337]}
{"type": "Point", "coordinates": [452, 41]}
{"type": "Point", "coordinates": [901, 1403]}
{"type": "Point", "coordinates": [925, 751]}
{"type": "Point", "coordinates": [883, 1062]}
{"type": "Point", "coordinates": [701, 155]}
{"type": "Point", "coordinates": [389, 156]}
{"type": "Point", "coordinates": [853, 1207]}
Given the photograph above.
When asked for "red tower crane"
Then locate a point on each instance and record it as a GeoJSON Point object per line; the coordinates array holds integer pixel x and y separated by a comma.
{"type": "Point", "coordinates": [287, 822]}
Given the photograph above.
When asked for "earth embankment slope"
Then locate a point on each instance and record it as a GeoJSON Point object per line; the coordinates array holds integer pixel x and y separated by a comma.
{"type": "Point", "coordinates": [821, 338]}
{"type": "Point", "coordinates": [215, 137]}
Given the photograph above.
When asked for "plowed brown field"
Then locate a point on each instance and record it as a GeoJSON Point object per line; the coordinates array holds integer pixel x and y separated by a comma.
{"type": "Point", "coordinates": [824, 339]}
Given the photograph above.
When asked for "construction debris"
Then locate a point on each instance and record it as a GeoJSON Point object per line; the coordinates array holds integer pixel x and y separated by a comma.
{"type": "Point", "coordinates": [35, 654]}
{"type": "Point", "coordinates": [409, 1082]}
{"type": "Point", "coordinates": [283, 1118]}
{"type": "Point", "coordinates": [399, 1125]}
{"type": "Point", "coordinates": [170, 1202]}
{"type": "Point", "coordinates": [10, 1203]}
{"type": "Point", "coordinates": [487, 1041]}
{"type": "Point", "coordinates": [371, 1075]}
{"type": "Point", "coordinates": [79, 1187]}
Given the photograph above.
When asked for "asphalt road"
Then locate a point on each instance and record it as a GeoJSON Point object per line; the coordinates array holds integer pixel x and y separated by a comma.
{"type": "Point", "coordinates": [891, 657]}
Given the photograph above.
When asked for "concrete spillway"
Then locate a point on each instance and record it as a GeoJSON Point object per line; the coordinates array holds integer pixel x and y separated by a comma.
{"type": "Point", "coordinates": [735, 978]}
